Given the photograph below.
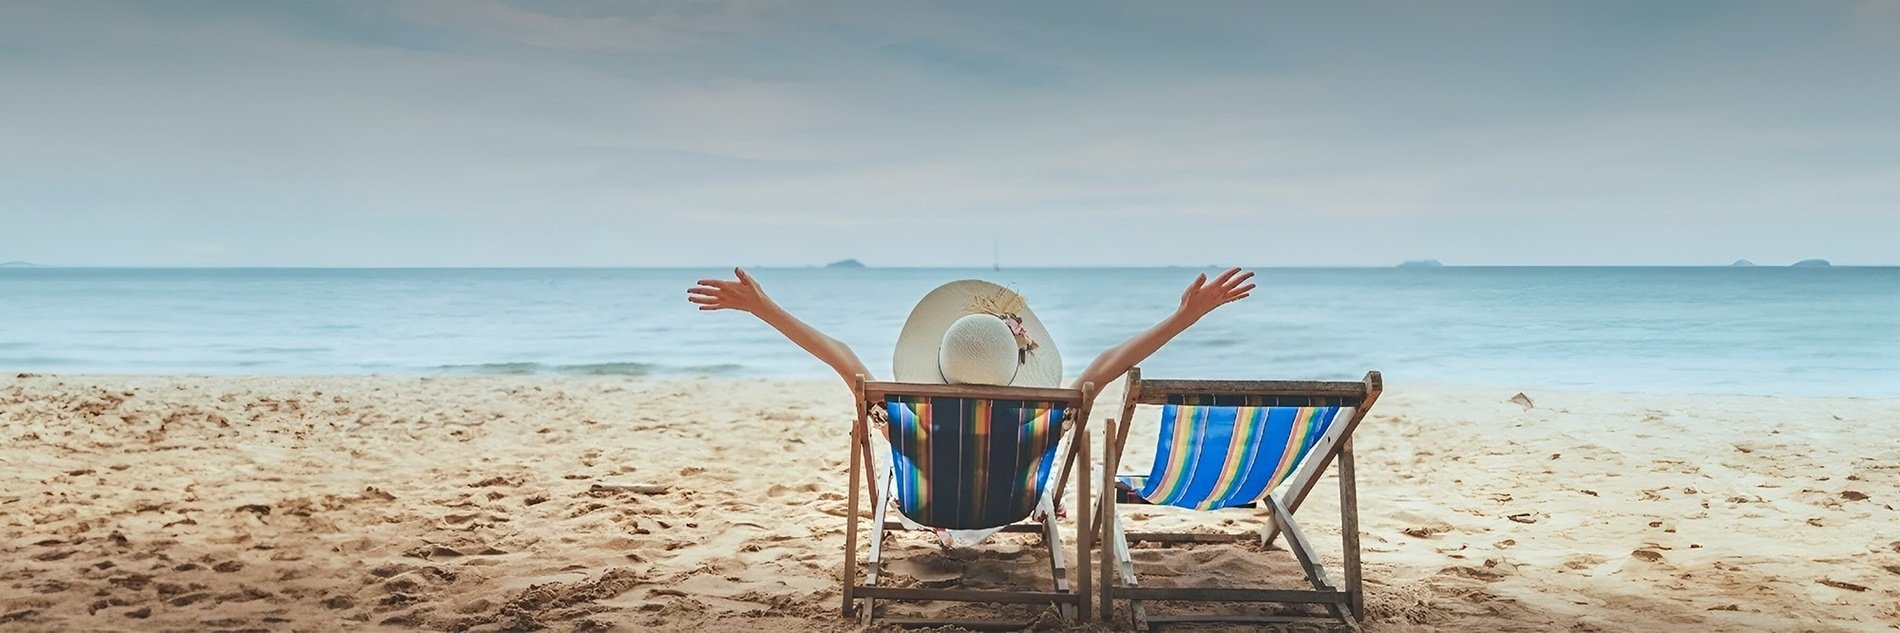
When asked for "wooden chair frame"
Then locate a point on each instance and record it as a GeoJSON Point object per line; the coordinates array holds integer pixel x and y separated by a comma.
{"type": "Point", "coordinates": [1073, 602]}
{"type": "Point", "coordinates": [1345, 604]}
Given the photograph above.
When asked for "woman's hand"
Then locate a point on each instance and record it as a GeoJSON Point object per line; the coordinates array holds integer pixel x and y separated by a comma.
{"type": "Point", "coordinates": [1203, 296]}
{"type": "Point", "coordinates": [719, 294]}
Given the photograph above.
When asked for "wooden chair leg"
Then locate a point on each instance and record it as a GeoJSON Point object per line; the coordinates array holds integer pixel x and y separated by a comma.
{"type": "Point", "coordinates": [1104, 513]}
{"type": "Point", "coordinates": [1349, 531]}
{"type": "Point", "coordinates": [851, 515]}
{"type": "Point", "coordinates": [1084, 534]}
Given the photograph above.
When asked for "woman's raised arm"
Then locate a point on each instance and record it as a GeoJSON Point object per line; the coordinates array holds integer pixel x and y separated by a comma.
{"type": "Point", "coordinates": [1201, 298]}
{"type": "Point", "coordinates": [744, 294]}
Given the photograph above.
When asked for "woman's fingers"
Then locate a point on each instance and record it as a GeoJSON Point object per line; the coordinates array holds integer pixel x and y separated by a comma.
{"type": "Point", "coordinates": [743, 277]}
{"type": "Point", "coordinates": [702, 290]}
{"type": "Point", "coordinates": [703, 300]}
{"type": "Point", "coordinates": [1241, 290]}
{"type": "Point", "coordinates": [1224, 276]}
{"type": "Point", "coordinates": [1236, 281]}
{"type": "Point", "coordinates": [1229, 284]}
{"type": "Point", "coordinates": [718, 283]}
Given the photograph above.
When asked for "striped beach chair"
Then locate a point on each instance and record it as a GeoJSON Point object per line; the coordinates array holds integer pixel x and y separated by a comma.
{"type": "Point", "coordinates": [968, 458]}
{"type": "Point", "coordinates": [1232, 444]}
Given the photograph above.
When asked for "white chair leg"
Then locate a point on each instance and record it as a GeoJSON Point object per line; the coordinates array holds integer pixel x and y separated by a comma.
{"type": "Point", "coordinates": [1125, 568]}
{"type": "Point", "coordinates": [1052, 541]}
{"type": "Point", "coordinates": [876, 563]}
{"type": "Point", "coordinates": [1303, 550]}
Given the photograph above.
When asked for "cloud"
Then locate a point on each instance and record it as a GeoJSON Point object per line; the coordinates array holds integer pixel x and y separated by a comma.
{"type": "Point", "coordinates": [429, 132]}
{"type": "Point", "coordinates": [498, 21]}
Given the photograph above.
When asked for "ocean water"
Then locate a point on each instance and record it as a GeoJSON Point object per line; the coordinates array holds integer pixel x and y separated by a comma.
{"type": "Point", "coordinates": [1833, 331]}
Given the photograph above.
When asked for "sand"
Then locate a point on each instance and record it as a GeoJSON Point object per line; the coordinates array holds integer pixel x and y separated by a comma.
{"type": "Point", "coordinates": [499, 503]}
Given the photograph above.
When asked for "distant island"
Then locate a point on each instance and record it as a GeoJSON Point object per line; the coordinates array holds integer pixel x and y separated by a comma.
{"type": "Point", "coordinates": [19, 265]}
{"type": "Point", "coordinates": [1810, 263]}
{"type": "Point", "coordinates": [1421, 263]}
{"type": "Point", "coordinates": [1742, 263]}
{"type": "Point", "coordinates": [845, 263]}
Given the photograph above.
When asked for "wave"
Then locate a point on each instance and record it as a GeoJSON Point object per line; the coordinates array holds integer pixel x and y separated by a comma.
{"type": "Point", "coordinates": [36, 362]}
{"type": "Point", "coordinates": [588, 369]}
{"type": "Point", "coordinates": [283, 350]}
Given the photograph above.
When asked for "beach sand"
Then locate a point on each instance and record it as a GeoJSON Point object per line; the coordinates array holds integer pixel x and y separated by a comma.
{"type": "Point", "coordinates": [473, 503]}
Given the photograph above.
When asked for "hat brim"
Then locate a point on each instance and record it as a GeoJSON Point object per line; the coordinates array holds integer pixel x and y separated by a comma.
{"type": "Point", "coordinates": [922, 338]}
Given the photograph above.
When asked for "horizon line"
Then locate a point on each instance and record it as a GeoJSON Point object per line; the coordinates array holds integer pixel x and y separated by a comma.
{"type": "Point", "coordinates": [868, 267]}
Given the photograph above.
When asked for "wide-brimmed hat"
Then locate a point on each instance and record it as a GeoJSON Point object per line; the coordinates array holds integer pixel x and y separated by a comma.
{"type": "Point", "coordinates": [976, 332]}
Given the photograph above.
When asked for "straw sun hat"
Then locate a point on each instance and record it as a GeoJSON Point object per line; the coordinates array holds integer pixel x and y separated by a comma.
{"type": "Point", "coordinates": [976, 332]}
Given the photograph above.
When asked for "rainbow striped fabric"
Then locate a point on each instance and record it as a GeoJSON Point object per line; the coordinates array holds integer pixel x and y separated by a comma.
{"type": "Point", "coordinates": [1226, 456]}
{"type": "Point", "coordinates": [966, 464]}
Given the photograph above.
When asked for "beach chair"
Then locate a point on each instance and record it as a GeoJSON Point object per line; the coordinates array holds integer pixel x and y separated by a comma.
{"type": "Point", "coordinates": [968, 458]}
{"type": "Point", "coordinates": [1231, 444]}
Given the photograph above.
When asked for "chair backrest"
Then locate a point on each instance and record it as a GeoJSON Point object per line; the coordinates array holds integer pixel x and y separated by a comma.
{"type": "Point", "coordinates": [1229, 443]}
{"type": "Point", "coordinates": [970, 457]}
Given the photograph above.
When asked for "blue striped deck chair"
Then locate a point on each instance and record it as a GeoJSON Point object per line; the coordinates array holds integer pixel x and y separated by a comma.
{"type": "Point", "coordinates": [966, 457]}
{"type": "Point", "coordinates": [1238, 444]}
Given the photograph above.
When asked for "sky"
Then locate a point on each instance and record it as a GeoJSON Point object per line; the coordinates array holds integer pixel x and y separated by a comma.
{"type": "Point", "coordinates": [760, 132]}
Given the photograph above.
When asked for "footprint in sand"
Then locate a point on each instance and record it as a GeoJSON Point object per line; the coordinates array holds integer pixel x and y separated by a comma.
{"type": "Point", "coordinates": [776, 491]}
{"type": "Point", "coordinates": [496, 481]}
{"type": "Point", "coordinates": [189, 599]}
{"type": "Point", "coordinates": [1420, 525]}
{"type": "Point", "coordinates": [391, 569]}
{"type": "Point", "coordinates": [1584, 561]}
{"type": "Point", "coordinates": [1490, 572]}
{"type": "Point", "coordinates": [245, 594]}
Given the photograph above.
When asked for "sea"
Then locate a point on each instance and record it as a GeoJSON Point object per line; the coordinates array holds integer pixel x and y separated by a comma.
{"type": "Point", "coordinates": [1761, 330]}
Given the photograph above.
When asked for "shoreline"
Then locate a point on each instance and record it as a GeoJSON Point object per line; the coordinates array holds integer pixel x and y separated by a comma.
{"type": "Point", "coordinates": [467, 502]}
{"type": "Point", "coordinates": [813, 380]}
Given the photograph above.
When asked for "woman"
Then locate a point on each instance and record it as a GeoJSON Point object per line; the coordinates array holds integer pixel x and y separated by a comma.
{"type": "Point", "coordinates": [973, 332]}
